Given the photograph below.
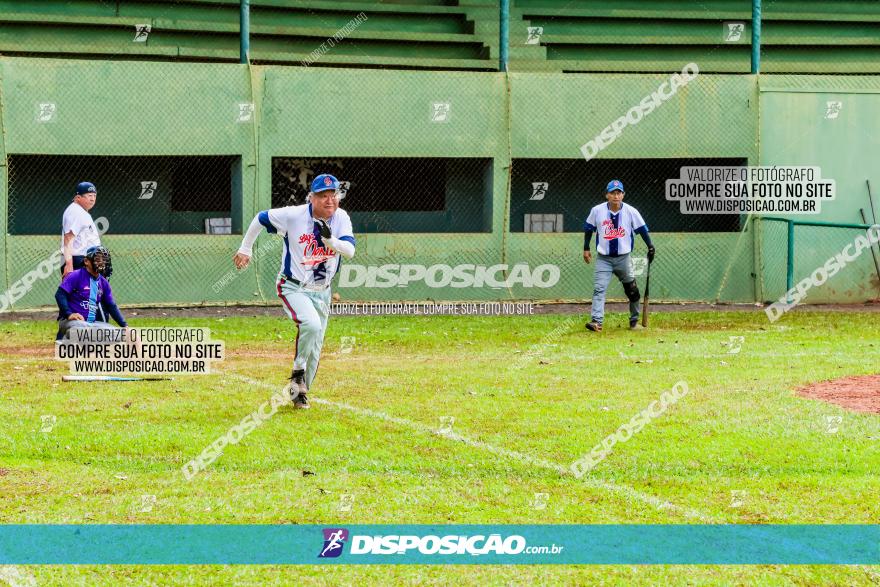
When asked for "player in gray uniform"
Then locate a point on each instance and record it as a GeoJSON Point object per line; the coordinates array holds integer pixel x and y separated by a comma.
{"type": "Point", "coordinates": [316, 236]}
{"type": "Point", "coordinates": [615, 225]}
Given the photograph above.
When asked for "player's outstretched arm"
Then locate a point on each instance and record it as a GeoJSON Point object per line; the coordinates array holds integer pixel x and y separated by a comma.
{"type": "Point", "coordinates": [250, 237]}
{"type": "Point", "coordinates": [240, 260]}
{"type": "Point", "coordinates": [243, 256]}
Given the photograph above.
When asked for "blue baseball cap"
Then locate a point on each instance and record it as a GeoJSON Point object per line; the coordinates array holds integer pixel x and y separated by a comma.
{"type": "Point", "coordinates": [324, 182]}
{"type": "Point", "coordinates": [85, 187]}
{"type": "Point", "coordinates": [614, 184]}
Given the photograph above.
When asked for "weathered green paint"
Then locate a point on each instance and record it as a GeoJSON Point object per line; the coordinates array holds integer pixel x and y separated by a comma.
{"type": "Point", "coordinates": [630, 35]}
{"type": "Point", "coordinates": [554, 114]}
{"type": "Point", "coordinates": [845, 146]}
{"type": "Point", "coordinates": [185, 109]}
{"type": "Point", "coordinates": [4, 257]}
{"type": "Point", "coordinates": [114, 108]}
{"type": "Point", "coordinates": [676, 273]}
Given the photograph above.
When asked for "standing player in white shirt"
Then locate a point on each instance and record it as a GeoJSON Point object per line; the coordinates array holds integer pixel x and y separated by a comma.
{"type": "Point", "coordinates": [78, 230]}
{"type": "Point", "coordinates": [615, 225]}
{"type": "Point", "coordinates": [315, 235]}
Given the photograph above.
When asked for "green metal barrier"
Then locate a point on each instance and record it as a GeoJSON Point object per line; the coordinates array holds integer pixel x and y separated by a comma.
{"type": "Point", "coordinates": [790, 224]}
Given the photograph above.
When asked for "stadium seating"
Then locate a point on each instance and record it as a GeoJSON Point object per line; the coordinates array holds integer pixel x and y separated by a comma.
{"type": "Point", "coordinates": [799, 36]}
{"type": "Point", "coordinates": [423, 34]}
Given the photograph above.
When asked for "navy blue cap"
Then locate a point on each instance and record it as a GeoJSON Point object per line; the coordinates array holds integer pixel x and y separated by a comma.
{"type": "Point", "coordinates": [614, 184]}
{"type": "Point", "coordinates": [324, 182]}
{"type": "Point", "coordinates": [85, 188]}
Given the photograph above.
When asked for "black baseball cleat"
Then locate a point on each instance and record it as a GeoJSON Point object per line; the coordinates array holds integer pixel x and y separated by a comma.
{"type": "Point", "coordinates": [594, 326]}
{"type": "Point", "coordinates": [634, 325]}
{"type": "Point", "coordinates": [301, 402]}
{"type": "Point", "coordinates": [297, 387]}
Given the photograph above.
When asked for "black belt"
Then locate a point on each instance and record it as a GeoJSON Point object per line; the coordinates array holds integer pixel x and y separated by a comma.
{"type": "Point", "coordinates": [301, 284]}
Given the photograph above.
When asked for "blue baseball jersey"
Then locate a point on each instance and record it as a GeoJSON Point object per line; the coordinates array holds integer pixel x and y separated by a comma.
{"type": "Point", "coordinates": [615, 232]}
{"type": "Point", "coordinates": [305, 257]}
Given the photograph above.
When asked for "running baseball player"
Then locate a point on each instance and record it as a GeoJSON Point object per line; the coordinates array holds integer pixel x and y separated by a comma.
{"type": "Point", "coordinates": [84, 297]}
{"type": "Point", "coordinates": [615, 225]}
{"type": "Point", "coordinates": [78, 230]}
{"type": "Point", "coordinates": [315, 235]}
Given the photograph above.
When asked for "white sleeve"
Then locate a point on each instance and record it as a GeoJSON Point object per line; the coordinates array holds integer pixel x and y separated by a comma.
{"type": "Point", "coordinates": [69, 223]}
{"type": "Point", "coordinates": [344, 248]}
{"type": "Point", "coordinates": [253, 231]}
{"type": "Point", "coordinates": [637, 220]}
{"type": "Point", "coordinates": [593, 219]}
{"type": "Point", "coordinates": [342, 239]}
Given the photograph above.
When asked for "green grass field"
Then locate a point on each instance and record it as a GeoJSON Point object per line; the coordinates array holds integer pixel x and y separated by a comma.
{"type": "Point", "coordinates": [528, 395]}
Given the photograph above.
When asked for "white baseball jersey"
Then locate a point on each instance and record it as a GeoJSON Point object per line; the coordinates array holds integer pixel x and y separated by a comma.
{"type": "Point", "coordinates": [615, 233]}
{"type": "Point", "coordinates": [304, 256]}
{"type": "Point", "coordinates": [80, 223]}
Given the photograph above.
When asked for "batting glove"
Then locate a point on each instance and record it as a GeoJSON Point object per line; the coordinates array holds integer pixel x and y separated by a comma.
{"type": "Point", "coordinates": [651, 251]}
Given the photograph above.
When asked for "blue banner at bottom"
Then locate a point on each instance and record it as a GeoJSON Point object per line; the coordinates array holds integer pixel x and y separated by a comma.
{"type": "Point", "coordinates": [440, 544]}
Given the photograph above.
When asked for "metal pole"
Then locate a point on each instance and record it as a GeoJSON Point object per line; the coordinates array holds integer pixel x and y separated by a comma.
{"type": "Point", "coordinates": [818, 223]}
{"type": "Point", "coordinates": [756, 36]}
{"type": "Point", "coordinates": [245, 31]}
{"type": "Point", "coordinates": [504, 36]}
{"type": "Point", "coordinates": [789, 265]}
{"type": "Point", "coordinates": [873, 254]}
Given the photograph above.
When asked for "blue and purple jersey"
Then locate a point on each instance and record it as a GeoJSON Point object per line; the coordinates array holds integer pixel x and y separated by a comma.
{"type": "Point", "coordinates": [85, 293]}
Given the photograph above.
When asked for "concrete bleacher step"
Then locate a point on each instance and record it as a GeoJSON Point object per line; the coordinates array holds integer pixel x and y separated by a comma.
{"type": "Point", "coordinates": [395, 33]}
{"type": "Point", "coordinates": [535, 65]}
{"type": "Point", "coordinates": [200, 26]}
{"type": "Point", "coordinates": [586, 35]}
{"type": "Point", "coordinates": [430, 6]}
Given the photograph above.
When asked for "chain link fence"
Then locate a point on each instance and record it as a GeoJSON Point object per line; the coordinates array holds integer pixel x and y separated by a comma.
{"type": "Point", "coordinates": [827, 261]}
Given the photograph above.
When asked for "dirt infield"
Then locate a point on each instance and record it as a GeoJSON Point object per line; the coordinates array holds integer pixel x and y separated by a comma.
{"type": "Point", "coordinates": [860, 393]}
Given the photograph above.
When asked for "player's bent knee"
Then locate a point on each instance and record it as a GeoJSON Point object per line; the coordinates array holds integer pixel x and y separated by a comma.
{"type": "Point", "coordinates": [631, 290]}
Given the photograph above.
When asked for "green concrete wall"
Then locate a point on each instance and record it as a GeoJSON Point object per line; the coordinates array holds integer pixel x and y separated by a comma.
{"type": "Point", "coordinates": [116, 108]}
{"type": "Point", "coordinates": [847, 148]}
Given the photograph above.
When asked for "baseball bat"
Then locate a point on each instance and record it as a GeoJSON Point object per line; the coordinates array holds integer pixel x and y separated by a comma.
{"type": "Point", "coordinates": [111, 378]}
{"type": "Point", "coordinates": [873, 254]}
{"type": "Point", "coordinates": [645, 301]}
{"type": "Point", "coordinates": [873, 215]}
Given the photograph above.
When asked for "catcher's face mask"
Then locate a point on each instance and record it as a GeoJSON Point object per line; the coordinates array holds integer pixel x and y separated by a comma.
{"type": "Point", "coordinates": [99, 257]}
{"type": "Point", "coordinates": [98, 263]}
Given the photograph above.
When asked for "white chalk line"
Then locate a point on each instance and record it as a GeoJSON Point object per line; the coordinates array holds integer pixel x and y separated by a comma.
{"type": "Point", "coordinates": [625, 490]}
{"type": "Point", "coordinates": [630, 492]}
